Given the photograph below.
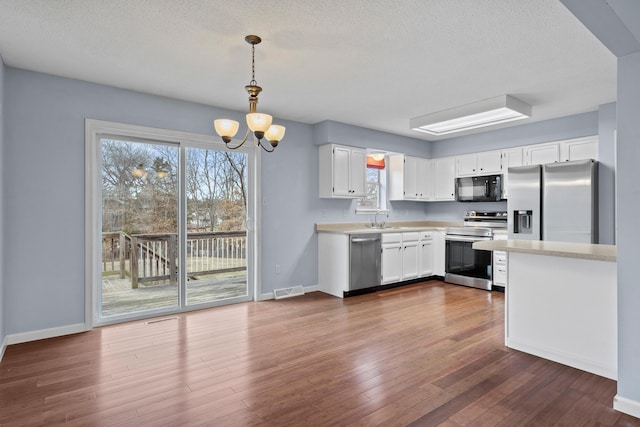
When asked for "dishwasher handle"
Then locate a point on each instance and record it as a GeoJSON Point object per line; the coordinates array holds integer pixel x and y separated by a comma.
{"type": "Point", "coordinates": [364, 239]}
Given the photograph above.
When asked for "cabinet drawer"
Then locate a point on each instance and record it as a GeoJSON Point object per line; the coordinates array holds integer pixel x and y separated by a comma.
{"type": "Point", "coordinates": [391, 238]}
{"type": "Point", "coordinates": [426, 235]}
{"type": "Point", "coordinates": [410, 237]}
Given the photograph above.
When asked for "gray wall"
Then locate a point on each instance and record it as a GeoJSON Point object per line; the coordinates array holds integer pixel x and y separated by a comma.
{"type": "Point", "coordinates": [291, 206]}
{"type": "Point", "coordinates": [585, 124]}
{"type": "Point", "coordinates": [44, 205]}
{"type": "Point", "coordinates": [606, 173]}
{"type": "Point", "coordinates": [616, 23]}
{"type": "Point", "coordinates": [628, 196]}
{"type": "Point", "coordinates": [2, 224]}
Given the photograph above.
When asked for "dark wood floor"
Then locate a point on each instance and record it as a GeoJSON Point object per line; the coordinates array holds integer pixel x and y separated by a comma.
{"type": "Point", "coordinates": [426, 355]}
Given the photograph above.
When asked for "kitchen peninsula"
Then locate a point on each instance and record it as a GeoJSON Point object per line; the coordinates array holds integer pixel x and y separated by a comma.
{"type": "Point", "coordinates": [561, 302]}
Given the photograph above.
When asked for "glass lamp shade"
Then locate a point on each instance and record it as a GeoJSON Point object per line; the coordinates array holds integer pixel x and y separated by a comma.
{"type": "Point", "coordinates": [258, 122]}
{"type": "Point", "coordinates": [275, 133]}
{"type": "Point", "coordinates": [226, 128]}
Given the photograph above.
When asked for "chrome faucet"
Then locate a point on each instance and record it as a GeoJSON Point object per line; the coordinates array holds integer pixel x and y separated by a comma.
{"type": "Point", "coordinates": [375, 223]}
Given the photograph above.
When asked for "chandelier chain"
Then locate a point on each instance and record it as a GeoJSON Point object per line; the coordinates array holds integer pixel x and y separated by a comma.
{"type": "Point", "coordinates": [253, 66]}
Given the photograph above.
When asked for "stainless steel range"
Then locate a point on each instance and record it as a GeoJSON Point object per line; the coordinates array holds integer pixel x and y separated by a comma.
{"type": "Point", "coordinates": [463, 264]}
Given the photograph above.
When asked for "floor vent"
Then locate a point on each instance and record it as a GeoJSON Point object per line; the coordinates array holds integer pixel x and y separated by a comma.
{"type": "Point", "coordinates": [288, 292]}
{"type": "Point", "coordinates": [161, 320]}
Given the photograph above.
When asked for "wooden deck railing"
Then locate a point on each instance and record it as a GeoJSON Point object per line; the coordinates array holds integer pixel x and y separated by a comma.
{"type": "Point", "coordinates": [154, 257]}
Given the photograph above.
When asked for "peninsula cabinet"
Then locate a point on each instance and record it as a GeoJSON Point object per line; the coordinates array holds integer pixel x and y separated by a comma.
{"type": "Point", "coordinates": [342, 171]}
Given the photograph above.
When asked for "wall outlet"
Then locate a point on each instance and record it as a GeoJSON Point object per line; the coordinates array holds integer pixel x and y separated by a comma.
{"type": "Point", "coordinates": [277, 268]}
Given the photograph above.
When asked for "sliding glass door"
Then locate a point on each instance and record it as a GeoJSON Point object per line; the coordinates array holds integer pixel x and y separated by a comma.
{"type": "Point", "coordinates": [173, 227]}
{"type": "Point", "coordinates": [216, 248]}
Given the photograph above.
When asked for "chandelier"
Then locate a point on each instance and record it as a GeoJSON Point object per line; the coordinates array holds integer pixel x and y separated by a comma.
{"type": "Point", "coordinates": [258, 123]}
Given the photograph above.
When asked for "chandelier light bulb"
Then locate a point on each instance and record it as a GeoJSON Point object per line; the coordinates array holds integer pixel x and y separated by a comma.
{"type": "Point", "coordinates": [259, 123]}
{"type": "Point", "coordinates": [226, 128]}
{"type": "Point", "coordinates": [274, 134]}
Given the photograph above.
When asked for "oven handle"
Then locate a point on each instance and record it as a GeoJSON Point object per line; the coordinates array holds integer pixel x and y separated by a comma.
{"type": "Point", "coordinates": [466, 238]}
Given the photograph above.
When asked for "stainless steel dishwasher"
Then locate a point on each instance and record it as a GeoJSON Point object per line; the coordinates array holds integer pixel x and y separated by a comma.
{"type": "Point", "coordinates": [365, 253]}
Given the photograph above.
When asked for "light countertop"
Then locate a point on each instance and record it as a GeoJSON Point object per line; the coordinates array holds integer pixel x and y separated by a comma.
{"type": "Point", "coordinates": [390, 227]}
{"type": "Point", "coordinates": [558, 249]}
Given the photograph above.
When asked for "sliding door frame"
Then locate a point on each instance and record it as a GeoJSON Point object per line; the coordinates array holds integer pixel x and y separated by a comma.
{"type": "Point", "coordinates": [94, 131]}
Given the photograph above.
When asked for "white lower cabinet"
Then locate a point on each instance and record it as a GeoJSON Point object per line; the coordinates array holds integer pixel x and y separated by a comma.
{"type": "Point", "coordinates": [425, 254]}
{"type": "Point", "coordinates": [391, 258]}
{"type": "Point", "coordinates": [410, 256]}
{"type": "Point", "coordinates": [438, 253]}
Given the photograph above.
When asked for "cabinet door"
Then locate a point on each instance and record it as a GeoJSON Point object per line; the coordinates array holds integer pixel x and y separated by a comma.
{"type": "Point", "coordinates": [358, 173]}
{"type": "Point", "coordinates": [580, 149]}
{"type": "Point", "coordinates": [409, 260]}
{"type": "Point", "coordinates": [489, 162]}
{"type": "Point", "coordinates": [467, 165]}
{"type": "Point", "coordinates": [542, 154]}
{"type": "Point", "coordinates": [438, 253]}
{"type": "Point", "coordinates": [426, 257]}
{"type": "Point", "coordinates": [444, 169]}
{"type": "Point", "coordinates": [425, 181]}
{"type": "Point", "coordinates": [341, 171]}
{"type": "Point", "coordinates": [391, 263]}
{"type": "Point", "coordinates": [411, 178]}
{"type": "Point", "coordinates": [510, 158]}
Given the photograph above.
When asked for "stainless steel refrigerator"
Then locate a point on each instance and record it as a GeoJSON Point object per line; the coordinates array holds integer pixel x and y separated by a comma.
{"type": "Point", "coordinates": [556, 201]}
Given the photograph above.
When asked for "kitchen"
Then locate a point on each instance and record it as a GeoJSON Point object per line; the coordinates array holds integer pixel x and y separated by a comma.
{"type": "Point", "coordinates": [401, 253]}
{"type": "Point", "coordinates": [298, 261]}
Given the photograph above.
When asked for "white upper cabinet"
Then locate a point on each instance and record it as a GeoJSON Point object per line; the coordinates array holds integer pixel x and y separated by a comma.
{"type": "Point", "coordinates": [490, 162]}
{"type": "Point", "coordinates": [562, 151]}
{"type": "Point", "coordinates": [485, 163]}
{"type": "Point", "coordinates": [426, 185]}
{"type": "Point", "coordinates": [342, 171]}
{"type": "Point", "coordinates": [444, 170]}
{"type": "Point", "coordinates": [579, 149]}
{"type": "Point", "coordinates": [409, 178]}
{"type": "Point", "coordinates": [541, 154]}
{"type": "Point", "coordinates": [511, 157]}
{"type": "Point", "coordinates": [467, 165]}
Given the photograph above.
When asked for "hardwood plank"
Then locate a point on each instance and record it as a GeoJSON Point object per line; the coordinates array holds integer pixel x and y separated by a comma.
{"type": "Point", "coordinates": [426, 354]}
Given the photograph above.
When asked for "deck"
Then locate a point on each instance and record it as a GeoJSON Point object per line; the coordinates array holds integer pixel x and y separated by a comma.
{"type": "Point", "coordinates": [118, 297]}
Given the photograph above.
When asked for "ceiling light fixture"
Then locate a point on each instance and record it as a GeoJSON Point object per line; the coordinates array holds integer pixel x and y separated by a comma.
{"type": "Point", "coordinates": [258, 123]}
{"type": "Point", "coordinates": [493, 111]}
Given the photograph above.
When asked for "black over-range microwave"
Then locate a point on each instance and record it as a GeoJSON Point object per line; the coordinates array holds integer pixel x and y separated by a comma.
{"type": "Point", "coordinates": [486, 188]}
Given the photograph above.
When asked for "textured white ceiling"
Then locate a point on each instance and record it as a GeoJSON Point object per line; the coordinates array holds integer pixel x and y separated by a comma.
{"type": "Point", "coordinates": [371, 63]}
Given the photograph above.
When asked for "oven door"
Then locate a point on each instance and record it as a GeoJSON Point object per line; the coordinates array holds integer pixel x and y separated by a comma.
{"type": "Point", "coordinates": [465, 265]}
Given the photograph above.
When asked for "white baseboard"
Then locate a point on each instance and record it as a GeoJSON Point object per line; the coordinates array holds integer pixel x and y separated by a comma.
{"type": "Point", "coordinates": [573, 360]}
{"type": "Point", "coordinates": [3, 347]}
{"type": "Point", "coordinates": [45, 333]}
{"type": "Point", "coordinates": [628, 406]}
{"type": "Point", "coordinates": [307, 289]}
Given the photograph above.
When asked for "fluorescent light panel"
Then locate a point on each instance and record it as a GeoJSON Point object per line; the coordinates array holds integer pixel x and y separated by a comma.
{"type": "Point", "coordinates": [493, 111]}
